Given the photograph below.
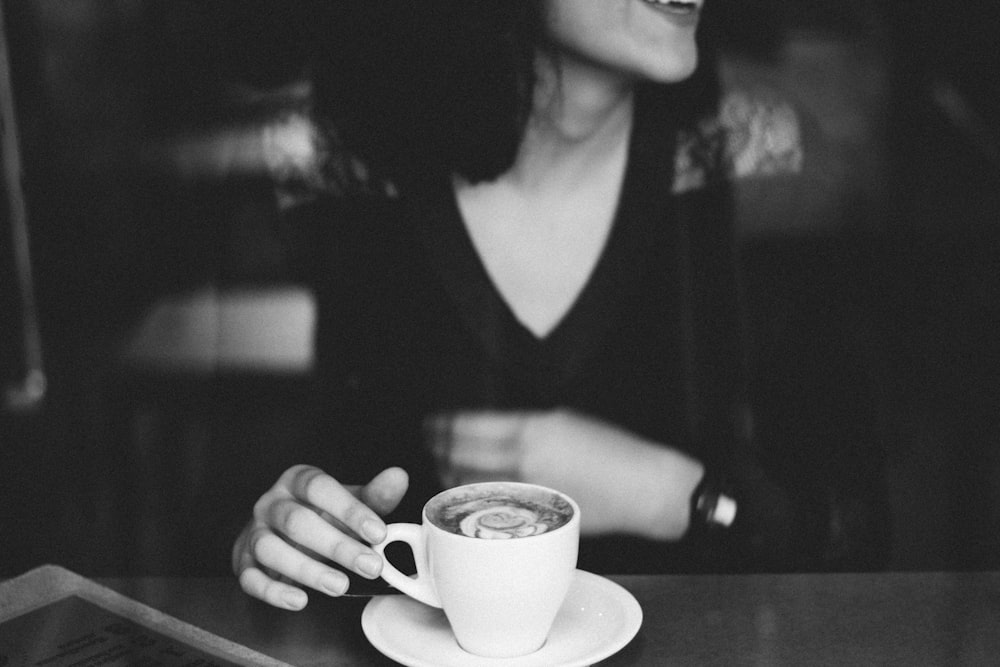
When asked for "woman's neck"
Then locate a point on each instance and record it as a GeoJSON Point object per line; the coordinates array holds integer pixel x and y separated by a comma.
{"type": "Point", "coordinates": [541, 227]}
{"type": "Point", "coordinates": [581, 117]}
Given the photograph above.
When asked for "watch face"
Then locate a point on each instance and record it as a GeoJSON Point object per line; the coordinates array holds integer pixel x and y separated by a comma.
{"type": "Point", "coordinates": [724, 512]}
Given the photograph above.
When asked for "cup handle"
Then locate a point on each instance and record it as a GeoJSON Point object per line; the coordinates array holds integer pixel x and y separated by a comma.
{"type": "Point", "coordinates": [419, 587]}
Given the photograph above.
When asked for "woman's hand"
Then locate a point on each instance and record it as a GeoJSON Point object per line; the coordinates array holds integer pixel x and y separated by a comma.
{"type": "Point", "coordinates": [622, 482]}
{"type": "Point", "coordinates": [308, 518]}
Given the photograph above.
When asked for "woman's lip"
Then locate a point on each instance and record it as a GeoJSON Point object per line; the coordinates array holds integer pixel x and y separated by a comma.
{"type": "Point", "coordinates": [685, 13]}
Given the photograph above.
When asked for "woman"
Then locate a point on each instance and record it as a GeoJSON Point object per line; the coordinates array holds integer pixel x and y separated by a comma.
{"type": "Point", "coordinates": [532, 277]}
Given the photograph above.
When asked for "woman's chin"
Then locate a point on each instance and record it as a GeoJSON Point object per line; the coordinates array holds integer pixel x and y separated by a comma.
{"type": "Point", "coordinates": [675, 69]}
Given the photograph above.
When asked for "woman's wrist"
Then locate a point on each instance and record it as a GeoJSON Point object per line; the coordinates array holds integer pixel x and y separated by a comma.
{"type": "Point", "coordinates": [663, 508]}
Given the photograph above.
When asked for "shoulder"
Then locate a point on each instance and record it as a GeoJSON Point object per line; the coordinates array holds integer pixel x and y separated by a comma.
{"type": "Point", "coordinates": [755, 133]}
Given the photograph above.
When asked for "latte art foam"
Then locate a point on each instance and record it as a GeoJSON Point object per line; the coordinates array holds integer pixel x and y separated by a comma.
{"type": "Point", "coordinates": [501, 516]}
{"type": "Point", "coordinates": [503, 522]}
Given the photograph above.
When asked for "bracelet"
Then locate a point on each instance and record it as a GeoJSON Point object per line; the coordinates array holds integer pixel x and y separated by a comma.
{"type": "Point", "coordinates": [710, 507]}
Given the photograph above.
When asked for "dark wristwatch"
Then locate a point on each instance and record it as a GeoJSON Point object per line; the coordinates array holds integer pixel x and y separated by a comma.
{"type": "Point", "coordinates": [710, 506]}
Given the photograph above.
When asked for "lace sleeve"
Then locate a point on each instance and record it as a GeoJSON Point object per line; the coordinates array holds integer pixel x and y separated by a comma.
{"type": "Point", "coordinates": [308, 159]}
{"type": "Point", "coordinates": [755, 134]}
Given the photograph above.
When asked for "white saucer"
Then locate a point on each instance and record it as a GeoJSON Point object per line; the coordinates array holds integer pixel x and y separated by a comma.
{"type": "Point", "coordinates": [598, 619]}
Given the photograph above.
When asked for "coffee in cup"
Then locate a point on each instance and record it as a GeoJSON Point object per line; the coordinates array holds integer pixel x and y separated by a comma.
{"type": "Point", "coordinates": [499, 512]}
{"type": "Point", "coordinates": [497, 557]}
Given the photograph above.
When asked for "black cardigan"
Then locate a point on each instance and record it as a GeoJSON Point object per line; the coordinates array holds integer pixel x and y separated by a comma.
{"type": "Point", "coordinates": [409, 325]}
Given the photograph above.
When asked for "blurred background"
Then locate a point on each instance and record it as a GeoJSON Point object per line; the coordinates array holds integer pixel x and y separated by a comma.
{"type": "Point", "coordinates": [155, 332]}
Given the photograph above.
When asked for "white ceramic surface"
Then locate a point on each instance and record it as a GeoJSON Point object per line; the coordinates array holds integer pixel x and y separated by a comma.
{"type": "Point", "coordinates": [597, 619]}
{"type": "Point", "coordinates": [500, 596]}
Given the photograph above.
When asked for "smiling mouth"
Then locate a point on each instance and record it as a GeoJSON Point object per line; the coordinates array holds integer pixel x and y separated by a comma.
{"type": "Point", "coordinates": [675, 6]}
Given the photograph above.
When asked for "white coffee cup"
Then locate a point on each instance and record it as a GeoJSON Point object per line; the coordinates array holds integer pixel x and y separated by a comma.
{"type": "Point", "coordinates": [500, 594]}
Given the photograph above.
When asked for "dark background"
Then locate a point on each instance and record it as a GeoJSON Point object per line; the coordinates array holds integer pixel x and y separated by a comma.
{"type": "Point", "coordinates": [115, 471]}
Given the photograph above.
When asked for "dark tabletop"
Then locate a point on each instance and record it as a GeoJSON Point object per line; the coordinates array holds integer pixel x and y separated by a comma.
{"type": "Point", "coordinates": [806, 619]}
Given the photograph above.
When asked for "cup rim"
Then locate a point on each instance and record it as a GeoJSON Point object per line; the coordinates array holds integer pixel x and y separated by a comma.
{"type": "Point", "coordinates": [550, 534]}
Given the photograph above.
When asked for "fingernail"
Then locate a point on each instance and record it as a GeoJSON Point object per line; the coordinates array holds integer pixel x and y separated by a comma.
{"type": "Point", "coordinates": [294, 599]}
{"type": "Point", "coordinates": [373, 531]}
{"type": "Point", "coordinates": [368, 564]}
{"type": "Point", "coordinates": [333, 584]}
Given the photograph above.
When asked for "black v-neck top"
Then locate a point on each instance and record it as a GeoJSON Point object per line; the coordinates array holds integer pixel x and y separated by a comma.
{"type": "Point", "coordinates": [410, 324]}
{"type": "Point", "coordinates": [549, 371]}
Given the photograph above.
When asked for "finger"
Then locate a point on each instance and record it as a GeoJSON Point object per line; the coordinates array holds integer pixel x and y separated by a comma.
{"type": "Point", "coordinates": [458, 476]}
{"type": "Point", "coordinates": [487, 436]}
{"type": "Point", "coordinates": [487, 441]}
{"type": "Point", "coordinates": [262, 585]}
{"type": "Point", "coordinates": [486, 425]}
{"type": "Point", "coordinates": [314, 487]}
{"type": "Point", "coordinates": [488, 458]}
{"type": "Point", "coordinates": [437, 434]}
{"type": "Point", "coordinates": [256, 583]}
{"type": "Point", "coordinates": [271, 552]}
{"type": "Point", "coordinates": [486, 430]}
{"type": "Point", "coordinates": [304, 527]}
{"type": "Point", "coordinates": [476, 446]}
{"type": "Point", "coordinates": [385, 490]}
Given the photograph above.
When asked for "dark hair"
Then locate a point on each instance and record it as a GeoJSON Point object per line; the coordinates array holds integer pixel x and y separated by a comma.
{"type": "Point", "coordinates": [442, 86]}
